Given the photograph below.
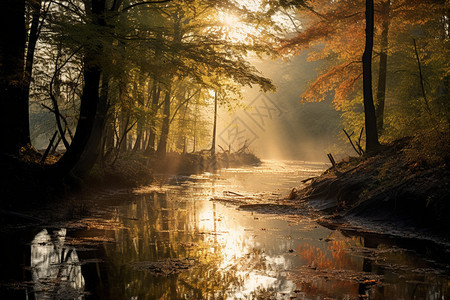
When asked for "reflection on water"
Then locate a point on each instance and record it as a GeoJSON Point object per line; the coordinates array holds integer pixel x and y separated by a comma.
{"type": "Point", "coordinates": [228, 261]}
{"type": "Point", "coordinates": [174, 243]}
{"type": "Point", "coordinates": [55, 268]}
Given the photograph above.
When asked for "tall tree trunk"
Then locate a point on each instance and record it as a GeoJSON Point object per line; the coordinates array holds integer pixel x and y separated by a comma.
{"type": "Point", "coordinates": [372, 143]}
{"type": "Point", "coordinates": [96, 142]}
{"type": "Point", "coordinates": [213, 144]}
{"type": "Point", "coordinates": [140, 117]}
{"type": "Point", "coordinates": [138, 142]}
{"type": "Point", "coordinates": [88, 111]}
{"type": "Point", "coordinates": [67, 164]}
{"type": "Point", "coordinates": [93, 147]}
{"type": "Point", "coordinates": [382, 73]}
{"type": "Point", "coordinates": [14, 115]}
{"type": "Point", "coordinates": [32, 40]}
{"type": "Point", "coordinates": [184, 125]}
{"type": "Point", "coordinates": [194, 128]}
{"type": "Point", "coordinates": [162, 145]}
{"type": "Point", "coordinates": [123, 130]}
{"type": "Point", "coordinates": [181, 122]}
{"type": "Point", "coordinates": [156, 91]}
{"type": "Point", "coordinates": [109, 140]}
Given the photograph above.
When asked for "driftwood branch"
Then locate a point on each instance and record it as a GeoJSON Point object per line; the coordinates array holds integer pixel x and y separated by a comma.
{"type": "Point", "coordinates": [243, 148]}
{"type": "Point", "coordinates": [223, 149]}
{"type": "Point", "coordinates": [333, 162]}
{"type": "Point", "coordinates": [308, 179]}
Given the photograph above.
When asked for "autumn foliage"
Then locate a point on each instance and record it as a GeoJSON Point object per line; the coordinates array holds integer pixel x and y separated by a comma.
{"type": "Point", "coordinates": [333, 32]}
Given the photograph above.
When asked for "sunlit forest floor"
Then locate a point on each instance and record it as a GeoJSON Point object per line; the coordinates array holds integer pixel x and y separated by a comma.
{"type": "Point", "coordinates": [394, 190]}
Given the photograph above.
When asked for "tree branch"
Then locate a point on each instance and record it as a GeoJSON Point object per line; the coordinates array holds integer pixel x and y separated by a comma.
{"type": "Point", "coordinates": [55, 102]}
{"type": "Point", "coordinates": [351, 142]}
{"type": "Point", "coordinates": [144, 3]}
{"type": "Point", "coordinates": [122, 138]}
{"type": "Point", "coordinates": [66, 124]}
{"type": "Point", "coordinates": [181, 104]}
{"type": "Point", "coordinates": [427, 105]}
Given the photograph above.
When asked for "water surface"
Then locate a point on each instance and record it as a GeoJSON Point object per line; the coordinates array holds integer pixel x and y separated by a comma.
{"type": "Point", "coordinates": [185, 238]}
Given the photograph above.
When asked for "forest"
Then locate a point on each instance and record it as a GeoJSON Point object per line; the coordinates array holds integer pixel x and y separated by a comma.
{"type": "Point", "coordinates": [153, 149]}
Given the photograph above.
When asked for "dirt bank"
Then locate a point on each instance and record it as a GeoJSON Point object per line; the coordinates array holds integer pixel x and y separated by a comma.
{"type": "Point", "coordinates": [388, 192]}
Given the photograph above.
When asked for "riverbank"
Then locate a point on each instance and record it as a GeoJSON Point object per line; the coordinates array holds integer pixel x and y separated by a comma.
{"type": "Point", "coordinates": [137, 169]}
{"type": "Point", "coordinates": [390, 192]}
{"type": "Point", "coordinates": [25, 181]}
{"type": "Point", "coordinates": [170, 235]}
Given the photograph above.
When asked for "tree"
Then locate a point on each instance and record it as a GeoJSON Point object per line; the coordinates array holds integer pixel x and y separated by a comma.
{"type": "Point", "coordinates": [213, 143]}
{"type": "Point", "coordinates": [382, 70]}
{"type": "Point", "coordinates": [372, 143]}
{"type": "Point", "coordinates": [333, 30]}
{"type": "Point", "coordinates": [79, 158]}
{"type": "Point", "coordinates": [110, 44]}
{"type": "Point", "coordinates": [14, 124]}
{"type": "Point", "coordinates": [194, 49]}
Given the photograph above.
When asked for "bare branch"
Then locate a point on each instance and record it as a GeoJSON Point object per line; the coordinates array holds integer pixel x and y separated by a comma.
{"type": "Point", "coordinates": [427, 105]}
{"type": "Point", "coordinates": [351, 142]}
{"type": "Point", "coordinates": [144, 3]}
{"type": "Point", "coordinates": [181, 104]}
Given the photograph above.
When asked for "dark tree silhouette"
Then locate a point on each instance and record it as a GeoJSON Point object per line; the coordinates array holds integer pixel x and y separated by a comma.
{"type": "Point", "coordinates": [14, 123]}
{"type": "Point", "coordinates": [372, 143]}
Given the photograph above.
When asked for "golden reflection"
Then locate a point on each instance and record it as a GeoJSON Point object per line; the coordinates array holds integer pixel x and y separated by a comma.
{"type": "Point", "coordinates": [174, 243]}
{"type": "Point", "coordinates": [171, 226]}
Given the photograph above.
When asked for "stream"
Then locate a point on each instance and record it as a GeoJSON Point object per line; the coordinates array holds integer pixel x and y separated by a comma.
{"type": "Point", "coordinates": [213, 236]}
